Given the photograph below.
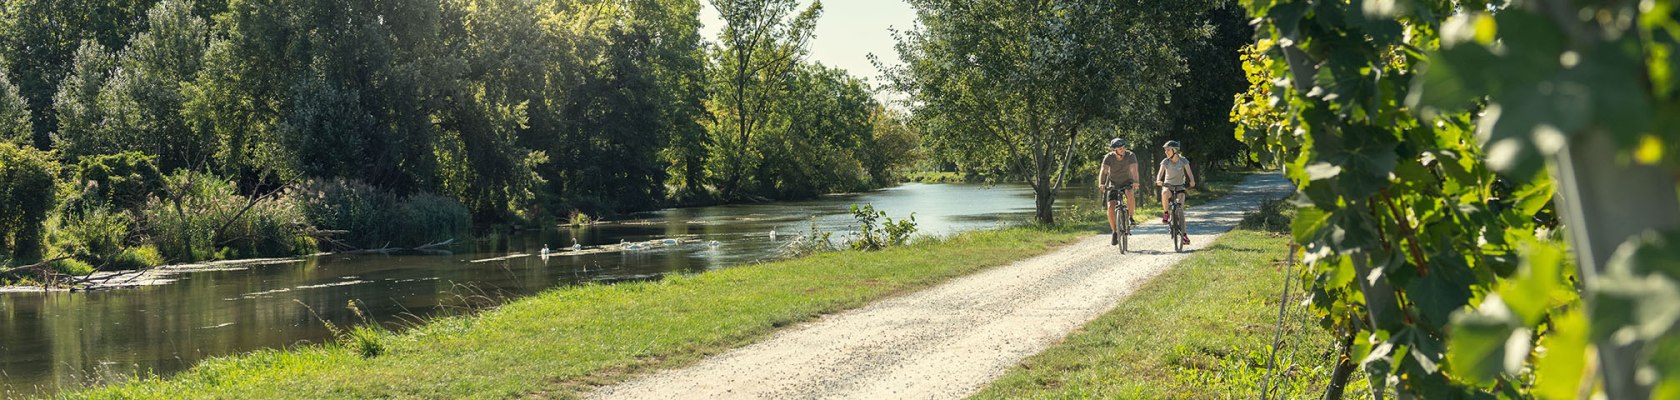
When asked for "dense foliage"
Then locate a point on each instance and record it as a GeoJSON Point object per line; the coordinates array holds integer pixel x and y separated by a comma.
{"type": "Point", "coordinates": [1417, 132]}
{"type": "Point", "coordinates": [216, 128]}
{"type": "Point", "coordinates": [1034, 89]}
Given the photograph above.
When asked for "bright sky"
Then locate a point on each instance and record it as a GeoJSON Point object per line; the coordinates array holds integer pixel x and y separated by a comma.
{"type": "Point", "coordinates": [848, 32]}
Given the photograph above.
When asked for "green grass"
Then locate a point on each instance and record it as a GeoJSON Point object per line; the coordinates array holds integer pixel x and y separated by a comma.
{"type": "Point", "coordinates": [1200, 330]}
{"type": "Point", "coordinates": [562, 342]}
{"type": "Point", "coordinates": [558, 343]}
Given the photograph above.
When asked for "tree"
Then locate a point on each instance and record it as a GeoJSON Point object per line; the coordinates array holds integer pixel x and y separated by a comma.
{"type": "Point", "coordinates": [761, 43]}
{"type": "Point", "coordinates": [40, 37]}
{"type": "Point", "coordinates": [28, 182]}
{"type": "Point", "coordinates": [82, 129]}
{"type": "Point", "coordinates": [1197, 114]}
{"type": "Point", "coordinates": [677, 61]}
{"type": "Point", "coordinates": [813, 138]}
{"type": "Point", "coordinates": [143, 99]}
{"type": "Point", "coordinates": [894, 147]}
{"type": "Point", "coordinates": [15, 125]}
{"type": "Point", "coordinates": [1018, 86]}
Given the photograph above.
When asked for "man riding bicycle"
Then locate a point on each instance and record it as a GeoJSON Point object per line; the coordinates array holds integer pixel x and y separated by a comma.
{"type": "Point", "coordinates": [1172, 177]}
{"type": "Point", "coordinates": [1119, 172]}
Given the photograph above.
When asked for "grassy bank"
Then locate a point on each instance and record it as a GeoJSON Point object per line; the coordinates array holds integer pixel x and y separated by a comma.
{"type": "Point", "coordinates": [1200, 330]}
{"type": "Point", "coordinates": [559, 342]}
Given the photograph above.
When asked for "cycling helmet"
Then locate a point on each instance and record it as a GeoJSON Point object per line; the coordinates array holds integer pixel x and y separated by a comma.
{"type": "Point", "coordinates": [1171, 144]}
{"type": "Point", "coordinates": [1117, 143]}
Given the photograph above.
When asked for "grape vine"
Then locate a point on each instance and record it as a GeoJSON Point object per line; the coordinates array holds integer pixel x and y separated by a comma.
{"type": "Point", "coordinates": [1420, 133]}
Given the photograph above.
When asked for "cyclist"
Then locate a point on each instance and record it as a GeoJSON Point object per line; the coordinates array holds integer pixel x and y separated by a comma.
{"type": "Point", "coordinates": [1119, 171]}
{"type": "Point", "coordinates": [1172, 177]}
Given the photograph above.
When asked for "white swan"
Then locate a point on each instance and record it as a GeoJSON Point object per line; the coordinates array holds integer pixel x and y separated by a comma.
{"type": "Point", "coordinates": [576, 246]}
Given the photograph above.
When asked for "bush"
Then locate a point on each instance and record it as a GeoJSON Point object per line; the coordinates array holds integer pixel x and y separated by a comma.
{"type": "Point", "coordinates": [145, 256]}
{"type": "Point", "coordinates": [73, 267]}
{"type": "Point", "coordinates": [1274, 216]}
{"type": "Point", "coordinates": [205, 218]}
{"type": "Point", "coordinates": [95, 235]}
{"type": "Point", "coordinates": [27, 195]}
{"type": "Point", "coordinates": [350, 206]}
{"type": "Point", "coordinates": [425, 219]}
{"type": "Point", "coordinates": [122, 181]}
{"type": "Point", "coordinates": [878, 235]}
{"type": "Point", "coordinates": [373, 218]}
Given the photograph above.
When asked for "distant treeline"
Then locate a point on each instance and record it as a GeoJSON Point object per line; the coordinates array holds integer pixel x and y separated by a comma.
{"type": "Point", "coordinates": [504, 111]}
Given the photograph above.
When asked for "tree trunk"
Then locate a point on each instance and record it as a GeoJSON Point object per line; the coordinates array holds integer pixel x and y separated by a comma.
{"type": "Point", "coordinates": [1344, 367]}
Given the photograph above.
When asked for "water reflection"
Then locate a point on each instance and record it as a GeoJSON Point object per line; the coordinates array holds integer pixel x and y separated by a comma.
{"type": "Point", "coordinates": [55, 341]}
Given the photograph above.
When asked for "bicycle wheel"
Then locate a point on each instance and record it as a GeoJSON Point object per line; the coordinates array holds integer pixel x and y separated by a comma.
{"type": "Point", "coordinates": [1125, 228]}
{"type": "Point", "coordinates": [1178, 233]}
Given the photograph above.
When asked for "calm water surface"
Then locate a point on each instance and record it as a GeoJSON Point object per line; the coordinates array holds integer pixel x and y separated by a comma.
{"type": "Point", "coordinates": [51, 342]}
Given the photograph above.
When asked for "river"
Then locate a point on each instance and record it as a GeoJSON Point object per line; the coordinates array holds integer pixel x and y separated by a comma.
{"type": "Point", "coordinates": [55, 341]}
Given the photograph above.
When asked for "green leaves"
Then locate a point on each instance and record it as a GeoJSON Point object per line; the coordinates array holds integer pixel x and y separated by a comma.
{"type": "Point", "coordinates": [1538, 91]}
{"type": "Point", "coordinates": [1638, 296]}
{"type": "Point", "coordinates": [15, 126]}
{"type": "Point", "coordinates": [1487, 342]}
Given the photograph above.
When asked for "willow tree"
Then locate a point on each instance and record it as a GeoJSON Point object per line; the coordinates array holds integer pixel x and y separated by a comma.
{"type": "Point", "coordinates": [1017, 86]}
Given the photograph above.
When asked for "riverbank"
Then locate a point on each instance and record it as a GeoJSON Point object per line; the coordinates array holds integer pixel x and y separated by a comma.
{"type": "Point", "coordinates": [1200, 330]}
{"type": "Point", "coordinates": [953, 339]}
{"type": "Point", "coordinates": [566, 339]}
{"type": "Point", "coordinates": [574, 337]}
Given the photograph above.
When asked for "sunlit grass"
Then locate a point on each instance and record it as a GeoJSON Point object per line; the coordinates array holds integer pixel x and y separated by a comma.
{"type": "Point", "coordinates": [561, 342]}
{"type": "Point", "coordinates": [1200, 330]}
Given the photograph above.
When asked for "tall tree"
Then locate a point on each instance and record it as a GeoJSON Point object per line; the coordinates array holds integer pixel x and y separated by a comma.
{"type": "Point", "coordinates": [82, 129]}
{"type": "Point", "coordinates": [762, 41]}
{"type": "Point", "coordinates": [15, 124]}
{"type": "Point", "coordinates": [144, 93]}
{"type": "Point", "coordinates": [40, 39]}
{"type": "Point", "coordinates": [1198, 115]}
{"type": "Point", "coordinates": [1017, 85]}
{"type": "Point", "coordinates": [677, 58]}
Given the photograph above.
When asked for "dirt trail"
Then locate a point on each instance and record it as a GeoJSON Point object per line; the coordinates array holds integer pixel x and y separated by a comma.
{"type": "Point", "coordinates": [950, 340]}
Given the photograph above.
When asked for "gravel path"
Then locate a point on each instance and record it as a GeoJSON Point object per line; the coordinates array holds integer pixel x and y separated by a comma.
{"type": "Point", "coordinates": [951, 340]}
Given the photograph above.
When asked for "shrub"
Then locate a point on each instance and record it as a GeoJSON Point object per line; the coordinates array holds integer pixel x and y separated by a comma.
{"type": "Point", "coordinates": [343, 205]}
{"type": "Point", "coordinates": [373, 218]}
{"type": "Point", "coordinates": [122, 181]}
{"type": "Point", "coordinates": [145, 256]}
{"type": "Point", "coordinates": [27, 195]}
{"type": "Point", "coordinates": [205, 218]}
{"type": "Point", "coordinates": [71, 266]}
{"type": "Point", "coordinates": [1274, 216]}
{"type": "Point", "coordinates": [95, 235]}
{"type": "Point", "coordinates": [425, 219]}
{"type": "Point", "coordinates": [879, 232]}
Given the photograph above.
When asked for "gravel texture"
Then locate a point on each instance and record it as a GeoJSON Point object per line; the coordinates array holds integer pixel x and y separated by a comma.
{"type": "Point", "coordinates": [951, 340]}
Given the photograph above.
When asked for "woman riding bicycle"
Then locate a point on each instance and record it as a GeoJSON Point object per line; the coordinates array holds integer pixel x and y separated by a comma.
{"type": "Point", "coordinates": [1119, 172]}
{"type": "Point", "coordinates": [1172, 177]}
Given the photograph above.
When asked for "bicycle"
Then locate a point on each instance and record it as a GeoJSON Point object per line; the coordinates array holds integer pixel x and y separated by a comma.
{"type": "Point", "coordinates": [1175, 208]}
{"type": "Point", "coordinates": [1122, 217]}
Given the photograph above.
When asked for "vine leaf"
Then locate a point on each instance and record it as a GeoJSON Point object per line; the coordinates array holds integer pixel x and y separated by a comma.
{"type": "Point", "coordinates": [1638, 296]}
{"type": "Point", "coordinates": [1486, 342]}
{"type": "Point", "coordinates": [1563, 359]}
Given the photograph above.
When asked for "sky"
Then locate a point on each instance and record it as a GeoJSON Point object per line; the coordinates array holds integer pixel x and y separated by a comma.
{"type": "Point", "coordinates": [848, 32]}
